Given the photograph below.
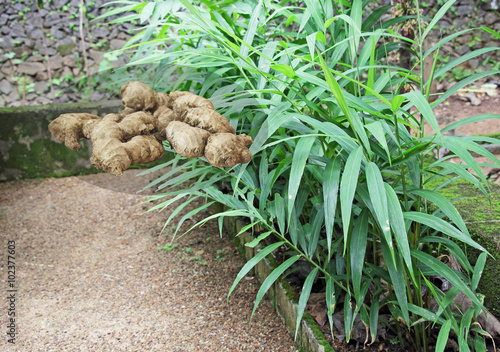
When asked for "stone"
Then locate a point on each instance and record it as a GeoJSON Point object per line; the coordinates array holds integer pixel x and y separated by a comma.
{"type": "Point", "coordinates": [17, 30]}
{"type": "Point", "coordinates": [56, 33]}
{"type": "Point", "coordinates": [5, 87]}
{"type": "Point", "coordinates": [31, 96]}
{"type": "Point", "coordinates": [464, 10]}
{"type": "Point", "coordinates": [462, 50]}
{"type": "Point", "coordinates": [100, 32]}
{"type": "Point", "coordinates": [76, 71]}
{"type": "Point", "coordinates": [52, 20]}
{"type": "Point", "coordinates": [69, 61]}
{"type": "Point", "coordinates": [63, 99]}
{"type": "Point", "coordinates": [30, 68]}
{"type": "Point", "coordinates": [460, 21]}
{"type": "Point", "coordinates": [117, 43]}
{"type": "Point", "coordinates": [6, 70]}
{"type": "Point", "coordinates": [122, 36]}
{"type": "Point", "coordinates": [12, 97]}
{"type": "Point", "coordinates": [95, 55]}
{"type": "Point", "coordinates": [3, 19]}
{"type": "Point", "coordinates": [35, 34]}
{"type": "Point", "coordinates": [5, 30]}
{"type": "Point", "coordinates": [42, 101]}
{"type": "Point", "coordinates": [41, 87]}
{"type": "Point", "coordinates": [96, 96]}
{"type": "Point", "coordinates": [491, 18]}
{"type": "Point", "coordinates": [35, 58]}
{"type": "Point", "coordinates": [6, 42]}
{"type": "Point", "coordinates": [66, 72]}
{"type": "Point", "coordinates": [55, 62]}
{"type": "Point", "coordinates": [42, 76]}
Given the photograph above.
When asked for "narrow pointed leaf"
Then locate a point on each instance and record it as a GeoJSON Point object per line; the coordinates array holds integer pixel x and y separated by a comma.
{"type": "Point", "coordinates": [330, 196]}
{"type": "Point", "coordinates": [397, 223]}
{"type": "Point", "coordinates": [358, 250]}
{"type": "Point", "coordinates": [478, 271]}
{"type": "Point", "coordinates": [269, 281]}
{"type": "Point", "coordinates": [348, 188]}
{"type": "Point", "coordinates": [448, 273]}
{"type": "Point", "coordinates": [442, 226]}
{"type": "Point", "coordinates": [251, 263]}
{"type": "Point", "coordinates": [304, 297]}
{"type": "Point", "coordinates": [300, 155]}
{"type": "Point", "coordinates": [444, 332]}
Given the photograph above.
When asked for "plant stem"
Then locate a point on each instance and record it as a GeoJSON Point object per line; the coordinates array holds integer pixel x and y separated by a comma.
{"type": "Point", "coordinates": [84, 52]}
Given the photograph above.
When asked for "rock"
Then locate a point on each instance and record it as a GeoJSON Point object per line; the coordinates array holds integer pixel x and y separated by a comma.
{"type": "Point", "coordinates": [69, 61]}
{"type": "Point", "coordinates": [3, 19]}
{"type": "Point", "coordinates": [100, 32]}
{"type": "Point", "coordinates": [12, 97]}
{"type": "Point", "coordinates": [42, 76]}
{"type": "Point", "coordinates": [117, 43]}
{"type": "Point", "coordinates": [55, 62]}
{"type": "Point", "coordinates": [56, 33]}
{"type": "Point", "coordinates": [52, 20]}
{"type": "Point", "coordinates": [31, 96]}
{"type": "Point", "coordinates": [17, 30]}
{"type": "Point", "coordinates": [5, 30]}
{"type": "Point", "coordinates": [97, 56]}
{"type": "Point", "coordinates": [465, 10]}
{"type": "Point", "coordinates": [30, 68]}
{"type": "Point", "coordinates": [6, 42]}
{"type": "Point", "coordinates": [6, 70]}
{"type": "Point", "coordinates": [122, 36]}
{"type": "Point", "coordinates": [35, 58]}
{"type": "Point", "coordinates": [66, 72]}
{"type": "Point", "coordinates": [5, 87]}
{"type": "Point", "coordinates": [96, 96]}
{"type": "Point", "coordinates": [41, 87]}
{"type": "Point", "coordinates": [42, 101]}
{"type": "Point", "coordinates": [63, 99]}
{"type": "Point", "coordinates": [491, 18]}
{"type": "Point", "coordinates": [35, 34]}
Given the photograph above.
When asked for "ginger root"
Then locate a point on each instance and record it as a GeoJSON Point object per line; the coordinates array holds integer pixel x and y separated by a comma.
{"type": "Point", "coordinates": [189, 122]}
{"type": "Point", "coordinates": [227, 149]}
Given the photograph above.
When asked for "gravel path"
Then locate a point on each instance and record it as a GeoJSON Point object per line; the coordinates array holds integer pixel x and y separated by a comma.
{"type": "Point", "coordinates": [90, 276]}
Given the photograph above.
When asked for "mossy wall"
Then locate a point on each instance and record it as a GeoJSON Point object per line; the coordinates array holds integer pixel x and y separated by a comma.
{"type": "Point", "coordinates": [482, 218]}
{"type": "Point", "coordinates": [28, 150]}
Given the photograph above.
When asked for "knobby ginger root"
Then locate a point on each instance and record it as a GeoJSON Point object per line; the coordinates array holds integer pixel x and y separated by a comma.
{"type": "Point", "coordinates": [209, 120]}
{"type": "Point", "coordinates": [109, 151]}
{"type": "Point", "coordinates": [186, 140]}
{"type": "Point", "coordinates": [227, 149]}
{"type": "Point", "coordinates": [188, 121]}
{"type": "Point", "coordinates": [68, 128]}
{"type": "Point", "coordinates": [138, 96]}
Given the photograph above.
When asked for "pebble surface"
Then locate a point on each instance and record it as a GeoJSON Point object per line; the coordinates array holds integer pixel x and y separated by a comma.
{"type": "Point", "coordinates": [90, 276]}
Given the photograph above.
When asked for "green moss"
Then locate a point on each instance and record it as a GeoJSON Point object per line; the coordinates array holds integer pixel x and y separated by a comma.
{"type": "Point", "coordinates": [65, 49]}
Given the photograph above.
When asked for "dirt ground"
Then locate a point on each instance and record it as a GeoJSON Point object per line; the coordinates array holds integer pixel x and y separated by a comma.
{"type": "Point", "coordinates": [89, 275]}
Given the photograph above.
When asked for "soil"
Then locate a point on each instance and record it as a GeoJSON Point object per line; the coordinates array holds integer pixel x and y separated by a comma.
{"type": "Point", "coordinates": [90, 276]}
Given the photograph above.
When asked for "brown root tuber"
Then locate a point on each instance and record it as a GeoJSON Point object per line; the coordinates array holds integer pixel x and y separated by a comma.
{"type": "Point", "coordinates": [188, 121]}
{"type": "Point", "coordinates": [164, 116]}
{"type": "Point", "coordinates": [227, 150]}
{"type": "Point", "coordinates": [68, 128]}
{"type": "Point", "coordinates": [186, 140]}
{"type": "Point", "coordinates": [189, 101]}
{"type": "Point", "coordinates": [111, 151]}
{"type": "Point", "coordinates": [138, 96]}
{"type": "Point", "coordinates": [209, 120]}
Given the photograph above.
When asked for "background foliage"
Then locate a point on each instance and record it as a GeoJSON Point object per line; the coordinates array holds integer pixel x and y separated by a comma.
{"type": "Point", "coordinates": [340, 175]}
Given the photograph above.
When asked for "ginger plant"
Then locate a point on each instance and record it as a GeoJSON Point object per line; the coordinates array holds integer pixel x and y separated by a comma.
{"type": "Point", "coordinates": [189, 123]}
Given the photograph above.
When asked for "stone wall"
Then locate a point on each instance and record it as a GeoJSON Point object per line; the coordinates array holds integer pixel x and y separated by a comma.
{"type": "Point", "coordinates": [24, 78]}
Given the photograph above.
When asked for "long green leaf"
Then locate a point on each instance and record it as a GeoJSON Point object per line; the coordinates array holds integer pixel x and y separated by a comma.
{"type": "Point", "coordinates": [437, 17]}
{"type": "Point", "coordinates": [418, 100]}
{"type": "Point", "coordinates": [445, 206]}
{"type": "Point", "coordinates": [348, 186]}
{"type": "Point", "coordinates": [269, 281]}
{"type": "Point", "coordinates": [444, 332]}
{"type": "Point", "coordinates": [478, 271]}
{"type": "Point", "coordinates": [357, 252]}
{"type": "Point", "coordinates": [300, 155]}
{"type": "Point", "coordinates": [330, 196]}
{"type": "Point", "coordinates": [251, 263]}
{"type": "Point", "coordinates": [396, 272]}
{"type": "Point", "coordinates": [449, 274]}
{"type": "Point", "coordinates": [378, 197]}
{"type": "Point", "coordinates": [304, 297]}
{"type": "Point", "coordinates": [397, 223]}
{"type": "Point", "coordinates": [442, 226]}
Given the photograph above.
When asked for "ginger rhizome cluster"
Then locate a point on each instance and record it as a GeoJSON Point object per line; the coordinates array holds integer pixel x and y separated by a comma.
{"type": "Point", "coordinates": [189, 123]}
